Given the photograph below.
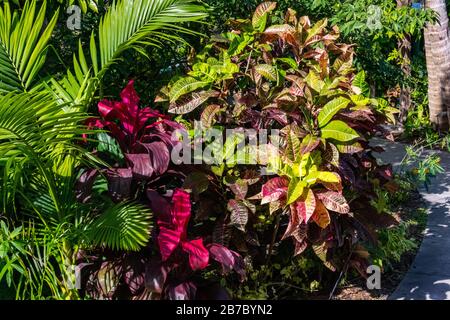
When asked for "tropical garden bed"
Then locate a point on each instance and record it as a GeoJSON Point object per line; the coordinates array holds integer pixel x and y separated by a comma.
{"type": "Point", "coordinates": [147, 154]}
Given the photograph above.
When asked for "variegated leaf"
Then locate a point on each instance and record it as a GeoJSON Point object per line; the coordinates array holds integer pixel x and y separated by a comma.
{"type": "Point", "coordinates": [334, 201]}
{"type": "Point", "coordinates": [321, 215]}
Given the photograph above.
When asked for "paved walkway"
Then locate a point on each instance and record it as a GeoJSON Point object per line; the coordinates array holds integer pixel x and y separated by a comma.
{"type": "Point", "coordinates": [429, 275]}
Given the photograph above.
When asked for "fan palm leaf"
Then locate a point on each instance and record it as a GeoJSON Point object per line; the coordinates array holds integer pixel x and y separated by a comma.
{"type": "Point", "coordinates": [122, 226]}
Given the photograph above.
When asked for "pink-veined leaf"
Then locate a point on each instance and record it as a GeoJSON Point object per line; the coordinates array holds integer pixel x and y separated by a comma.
{"type": "Point", "coordinates": [334, 201]}
{"type": "Point", "coordinates": [274, 189]}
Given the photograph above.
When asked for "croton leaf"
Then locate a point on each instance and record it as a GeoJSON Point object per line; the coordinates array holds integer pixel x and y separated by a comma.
{"type": "Point", "coordinates": [293, 150]}
{"type": "Point", "coordinates": [198, 182]}
{"type": "Point", "coordinates": [108, 279]}
{"type": "Point", "coordinates": [280, 29]}
{"type": "Point", "coordinates": [316, 30]}
{"type": "Point", "coordinates": [330, 180]}
{"type": "Point", "coordinates": [274, 189]}
{"type": "Point", "coordinates": [267, 71]}
{"type": "Point", "coordinates": [239, 214]}
{"type": "Point", "coordinates": [191, 103]}
{"type": "Point", "coordinates": [331, 154]}
{"type": "Point", "coordinates": [184, 86]}
{"type": "Point", "coordinates": [295, 190]}
{"type": "Point", "coordinates": [321, 215]}
{"type": "Point", "coordinates": [294, 221]}
{"type": "Point", "coordinates": [360, 85]}
{"type": "Point", "coordinates": [198, 254]}
{"type": "Point", "coordinates": [309, 143]}
{"type": "Point", "coordinates": [208, 115]}
{"type": "Point", "coordinates": [134, 277]}
{"type": "Point", "coordinates": [306, 205]}
{"type": "Point", "coordinates": [339, 131]}
{"type": "Point", "coordinates": [239, 188]}
{"type": "Point", "coordinates": [259, 18]}
{"type": "Point", "coordinates": [229, 259]}
{"type": "Point", "coordinates": [321, 251]}
{"type": "Point", "coordinates": [330, 109]}
{"type": "Point", "coordinates": [334, 201]}
{"type": "Point", "coordinates": [300, 246]}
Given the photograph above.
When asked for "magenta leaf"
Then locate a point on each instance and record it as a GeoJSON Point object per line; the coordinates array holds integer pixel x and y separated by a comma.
{"type": "Point", "coordinates": [198, 255]}
{"type": "Point", "coordinates": [181, 210]}
{"type": "Point", "coordinates": [168, 241]}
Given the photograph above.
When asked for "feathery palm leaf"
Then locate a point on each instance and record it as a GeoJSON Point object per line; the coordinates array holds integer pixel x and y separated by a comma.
{"type": "Point", "coordinates": [83, 4]}
{"type": "Point", "coordinates": [130, 24]}
{"type": "Point", "coordinates": [23, 45]}
{"type": "Point", "coordinates": [35, 134]}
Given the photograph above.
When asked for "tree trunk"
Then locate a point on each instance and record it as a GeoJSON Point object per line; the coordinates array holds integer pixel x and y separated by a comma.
{"type": "Point", "coordinates": [404, 47]}
{"type": "Point", "coordinates": [437, 47]}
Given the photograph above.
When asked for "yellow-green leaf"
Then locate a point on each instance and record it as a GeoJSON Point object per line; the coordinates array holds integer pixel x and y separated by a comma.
{"type": "Point", "coordinates": [330, 110]}
{"type": "Point", "coordinates": [339, 131]}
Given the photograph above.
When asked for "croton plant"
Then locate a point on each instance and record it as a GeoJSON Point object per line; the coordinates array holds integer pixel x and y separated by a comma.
{"type": "Point", "coordinates": [270, 72]}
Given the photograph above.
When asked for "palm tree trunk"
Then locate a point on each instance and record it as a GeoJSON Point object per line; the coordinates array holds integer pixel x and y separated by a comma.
{"type": "Point", "coordinates": [404, 47]}
{"type": "Point", "coordinates": [437, 47]}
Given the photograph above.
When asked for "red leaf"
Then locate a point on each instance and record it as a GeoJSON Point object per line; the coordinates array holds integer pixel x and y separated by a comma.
{"type": "Point", "coordinates": [198, 255]}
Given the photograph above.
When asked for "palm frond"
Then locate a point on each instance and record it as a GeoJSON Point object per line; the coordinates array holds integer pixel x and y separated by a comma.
{"type": "Point", "coordinates": [23, 45]}
{"type": "Point", "coordinates": [36, 136]}
{"type": "Point", "coordinates": [128, 24]}
{"type": "Point", "coordinates": [123, 226]}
